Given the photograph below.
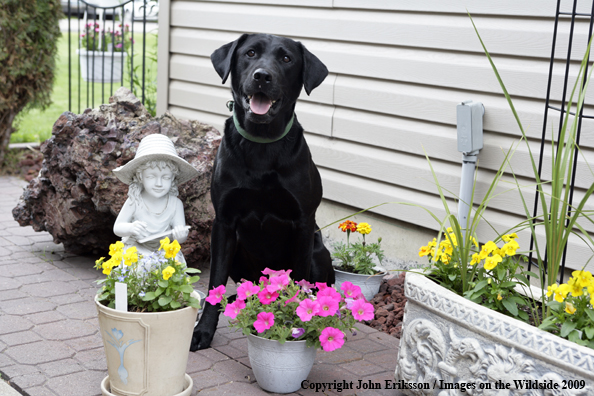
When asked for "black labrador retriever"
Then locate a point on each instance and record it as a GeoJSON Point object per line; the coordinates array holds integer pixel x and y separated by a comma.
{"type": "Point", "coordinates": [265, 187]}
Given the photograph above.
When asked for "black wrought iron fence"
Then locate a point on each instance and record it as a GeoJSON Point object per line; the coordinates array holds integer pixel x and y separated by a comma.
{"type": "Point", "coordinates": [106, 35]}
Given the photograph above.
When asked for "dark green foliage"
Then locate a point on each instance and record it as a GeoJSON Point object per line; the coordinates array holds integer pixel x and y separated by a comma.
{"type": "Point", "coordinates": [29, 30]}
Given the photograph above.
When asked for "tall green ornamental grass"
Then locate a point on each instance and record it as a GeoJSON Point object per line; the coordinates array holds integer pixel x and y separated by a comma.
{"type": "Point", "coordinates": [559, 218]}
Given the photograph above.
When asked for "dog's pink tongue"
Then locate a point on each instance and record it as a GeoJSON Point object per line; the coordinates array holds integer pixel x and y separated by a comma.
{"type": "Point", "coordinates": [260, 104]}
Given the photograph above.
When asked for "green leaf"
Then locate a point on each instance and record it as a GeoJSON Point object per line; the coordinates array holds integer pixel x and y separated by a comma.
{"type": "Point", "coordinates": [508, 284]}
{"type": "Point", "coordinates": [480, 285]}
{"type": "Point", "coordinates": [163, 283]}
{"type": "Point", "coordinates": [452, 277]}
{"type": "Point", "coordinates": [548, 324]}
{"type": "Point", "coordinates": [175, 304]}
{"type": "Point", "coordinates": [149, 296]}
{"type": "Point", "coordinates": [159, 291]}
{"type": "Point", "coordinates": [532, 274]}
{"type": "Point", "coordinates": [186, 289]}
{"type": "Point", "coordinates": [523, 315]}
{"type": "Point", "coordinates": [589, 332]}
{"type": "Point", "coordinates": [574, 336]}
{"type": "Point", "coordinates": [194, 304]}
{"type": "Point", "coordinates": [192, 271]}
{"type": "Point", "coordinates": [193, 279]}
{"type": "Point", "coordinates": [501, 271]}
{"type": "Point", "coordinates": [164, 300]}
{"type": "Point", "coordinates": [567, 328]}
{"type": "Point", "coordinates": [511, 306]}
{"type": "Point", "coordinates": [590, 313]}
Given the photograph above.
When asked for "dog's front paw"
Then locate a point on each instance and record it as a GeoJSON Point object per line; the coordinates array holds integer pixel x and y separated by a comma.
{"type": "Point", "coordinates": [201, 339]}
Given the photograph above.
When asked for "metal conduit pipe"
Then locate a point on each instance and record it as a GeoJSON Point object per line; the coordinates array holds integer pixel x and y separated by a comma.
{"type": "Point", "coordinates": [469, 120]}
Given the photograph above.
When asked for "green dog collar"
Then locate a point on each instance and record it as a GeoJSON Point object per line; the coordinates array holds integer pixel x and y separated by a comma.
{"type": "Point", "coordinates": [252, 138]}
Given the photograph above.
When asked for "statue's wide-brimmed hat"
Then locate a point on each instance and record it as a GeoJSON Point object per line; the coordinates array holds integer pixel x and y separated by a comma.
{"type": "Point", "coordinates": [156, 147]}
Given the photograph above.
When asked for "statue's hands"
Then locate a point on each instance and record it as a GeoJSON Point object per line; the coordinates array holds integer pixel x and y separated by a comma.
{"type": "Point", "coordinates": [138, 229]}
{"type": "Point", "coordinates": [180, 233]}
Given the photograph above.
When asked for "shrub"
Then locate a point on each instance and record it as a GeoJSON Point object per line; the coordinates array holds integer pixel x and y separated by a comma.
{"type": "Point", "coordinates": [29, 30]}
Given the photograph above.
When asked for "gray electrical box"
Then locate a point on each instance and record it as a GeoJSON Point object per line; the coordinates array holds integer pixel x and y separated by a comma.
{"type": "Point", "coordinates": [469, 116]}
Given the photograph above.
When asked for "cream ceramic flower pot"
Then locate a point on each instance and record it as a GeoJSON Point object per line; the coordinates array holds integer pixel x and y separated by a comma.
{"type": "Point", "coordinates": [449, 342]}
{"type": "Point", "coordinates": [280, 368]}
{"type": "Point", "coordinates": [96, 66]}
{"type": "Point", "coordinates": [147, 353]}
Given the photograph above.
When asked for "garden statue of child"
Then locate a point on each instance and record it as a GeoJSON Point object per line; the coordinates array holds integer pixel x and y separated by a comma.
{"type": "Point", "coordinates": [152, 210]}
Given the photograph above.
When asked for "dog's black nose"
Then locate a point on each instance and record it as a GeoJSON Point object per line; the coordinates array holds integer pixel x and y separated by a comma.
{"type": "Point", "coordinates": [262, 75]}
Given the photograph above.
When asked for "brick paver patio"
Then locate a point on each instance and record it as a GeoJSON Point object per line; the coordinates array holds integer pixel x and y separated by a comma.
{"type": "Point", "coordinates": [49, 333]}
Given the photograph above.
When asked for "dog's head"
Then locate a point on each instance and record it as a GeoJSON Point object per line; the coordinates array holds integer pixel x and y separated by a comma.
{"type": "Point", "coordinates": [267, 74]}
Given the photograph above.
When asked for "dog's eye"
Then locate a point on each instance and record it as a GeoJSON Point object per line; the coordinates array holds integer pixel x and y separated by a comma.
{"type": "Point", "coordinates": [286, 59]}
{"type": "Point", "coordinates": [251, 53]}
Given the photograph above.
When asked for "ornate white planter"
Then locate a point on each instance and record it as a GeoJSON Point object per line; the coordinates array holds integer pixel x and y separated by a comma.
{"type": "Point", "coordinates": [96, 66]}
{"type": "Point", "coordinates": [147, 352]}
{"type": "Point", "coordinates": [369, 284]}
{"type": "Point", "coordinates": [448, 341]}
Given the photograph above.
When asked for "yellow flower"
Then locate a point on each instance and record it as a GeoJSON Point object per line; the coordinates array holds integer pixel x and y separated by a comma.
{"type": "Point", "coordinates": [491, 262]}
{"type": "Point", "coordinates": [452, 238]}
{"type": "Point", "coordinates": [575, 287]}
{"type": "Point", "coordinates": [446, 247]}
{"type": "Point", "coordinates": [569, 308]}
{"type": "Point", "coordinates": [433, 243]}
{"type": "Point", "coordinates": [551, 289]}
{"type": "Point", "coordinates": [131, 256]}
{"type": "Point", "coordinates": [424, 251]}
{"type": "Point", "coordinates": [363, 228]}
{"type": "Point", "coordinates": [115, 248]}
{"type": "Point", "coordinates": [177, 263]}
{"type": "Point", "coordinates": [167, 272]}
{"type": "Point", "coordinates": [100, 261]}
{"type": "Point", "coordinates": [449, 230]}
{"type": "Point", "coordinates": [475, 259]}
{"type": "Point", "coordinates": [561, 292]}
{"type": "Point", "coordinates": [509, 237]}
{"type": "Point", "coordinates": [509, 249]}
{"type": "Point", "coordinates": [445, 258]}
{"type": "Point", "coordinates": [585, 277]}
{"type": "Point", "coordinates": [487, 249]}
{"type": "Point", "coordinates": [474, 241]}
{"type": "Point", "coordinates": [108, 265]}
{"type": "Point", "coordinates": [499, 296]}
{"type": "Point", "coordinates": [164, 243]}
{"type": "Point", "coordinates": [172, 249]}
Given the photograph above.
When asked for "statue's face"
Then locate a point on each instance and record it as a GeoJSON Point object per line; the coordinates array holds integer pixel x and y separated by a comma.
{"type": "Point", "coordinates": [157, 182]}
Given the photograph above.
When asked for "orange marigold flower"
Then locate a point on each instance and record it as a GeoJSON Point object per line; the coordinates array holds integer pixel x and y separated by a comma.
{"type": "Point", "coordinates": [348, 226]}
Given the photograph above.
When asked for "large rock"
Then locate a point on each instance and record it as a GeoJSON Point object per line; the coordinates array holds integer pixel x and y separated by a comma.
{"type": "Point", "coordinates": [76, 197]}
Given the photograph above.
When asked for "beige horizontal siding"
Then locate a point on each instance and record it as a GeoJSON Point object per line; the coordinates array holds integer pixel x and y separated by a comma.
{"type": "Point", "coordinates": [397, 72]}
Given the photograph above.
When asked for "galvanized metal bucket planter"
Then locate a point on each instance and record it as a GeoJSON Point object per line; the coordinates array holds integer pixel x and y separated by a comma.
{"type": "Point", "coordinates": [99, 66]}
{"type": "Point", "coordinates": [280, 368]}
{"type": "Point", "coordinates": [369, 284]}
{"type": "Point", "coordinates": [449, 343]}
{"type": "Point", "coordinates": [147, 352]}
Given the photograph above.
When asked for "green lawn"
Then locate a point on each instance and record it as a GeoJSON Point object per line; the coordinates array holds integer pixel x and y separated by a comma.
{"type": "Point", "coordinates": [36, 126]}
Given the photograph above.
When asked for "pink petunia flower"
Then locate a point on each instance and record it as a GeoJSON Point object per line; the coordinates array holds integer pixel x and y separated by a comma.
{"type": "Point", "coordinates": [350, 290]}
{"type": "Point", "coordinates": [294, 298]}
{"type": "Point", "coordinates": [264, 281]}
{"type": "Point", "coordinates": [307, 309]}
{"type": "Point", "coordinates": [330, 292]}
{"type": "Point", "coordinates": [349, 302]}
{"type": "Point", "coordinates": [264, 322]}
{"type": "Point", "coordinates": [278, 283]}
{"type": "Point", "coordinates": [216, 295]}
{"type": "Point", "coordinates": [321, 285]}
{"type": "Point", "coordinates": [272, 273]}
{"type": "Point", "coordinates": [362, 310]}
{"type": "Point", "coordinates": [246, 290]}
{"type": "Point", "coordinates": [267, 297]}
{"type": "Point", "coordinates": [331, 339]}
{"type": "Point", "coordinates": [232, 310]}
{"type": "Point", "coordinates": [305, 285]}
{"type": "Point", "coordinates": [328, 306]}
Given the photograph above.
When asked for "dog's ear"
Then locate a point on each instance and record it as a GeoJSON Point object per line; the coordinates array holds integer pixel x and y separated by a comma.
{"type": "Point", "coordinates": [222, 58]}
{"type": "Point", "coordinates": [314, 71]}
